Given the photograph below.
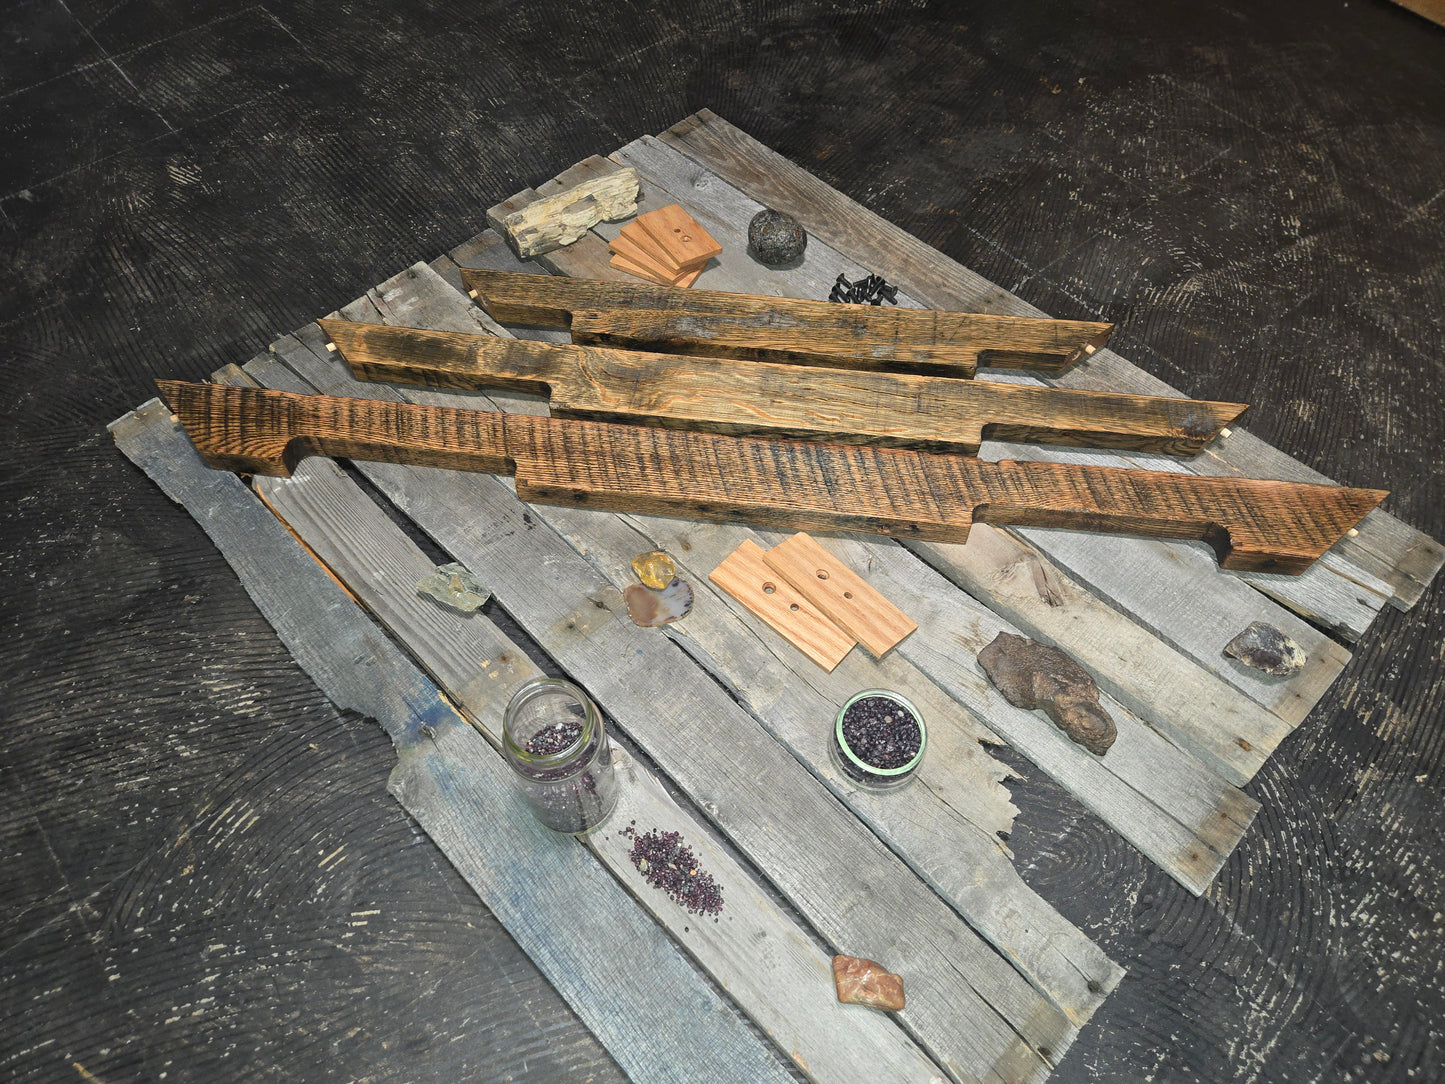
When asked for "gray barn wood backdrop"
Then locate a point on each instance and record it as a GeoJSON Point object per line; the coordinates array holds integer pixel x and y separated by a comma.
{"type": "Point", "coordinates": [204, 876]}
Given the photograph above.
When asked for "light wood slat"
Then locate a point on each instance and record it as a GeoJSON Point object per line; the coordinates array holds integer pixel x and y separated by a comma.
{"type": "Point", "coordinates": [747, 577]}
{"type": "Point", "coordinates": [968, 1008]}
{"type": "Point", "coordinates": [1386, 549]}
{"type": "Point", "coordinates": [947, 832]}
{"type": "Point", "coordinates": [843, 595]}
{"type": "Point", "coordinates": [582, 930]}
{"type": "Point", "coordinates": [776, 972]}
{"type": "Point", "coordinates": [1218, 601]}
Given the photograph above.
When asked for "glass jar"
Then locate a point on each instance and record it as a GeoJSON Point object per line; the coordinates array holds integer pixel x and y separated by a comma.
{"type": "Point", "coordinates": [554, 739]}
{"type": "Point", "coordinates": [879, 721]}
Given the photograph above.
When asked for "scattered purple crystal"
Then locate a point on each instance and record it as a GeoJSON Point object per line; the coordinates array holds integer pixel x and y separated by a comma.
{"type": "Point", "coordinates": [670, 865]}
{"type": "Point", "coordinates": [554, 738]}
{"type": "Point", "coordinates": [882, 732]}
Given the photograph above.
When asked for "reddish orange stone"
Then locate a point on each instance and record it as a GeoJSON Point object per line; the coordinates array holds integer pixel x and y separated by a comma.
{"type": "Point", "coordinates": [865, 982]}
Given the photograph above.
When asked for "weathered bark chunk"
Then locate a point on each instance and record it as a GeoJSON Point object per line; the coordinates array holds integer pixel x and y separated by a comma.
{"type": "Point", "coordinates": [1266, 648]}
{"type": "Point", "coordinates": [551, 223]}
{"type": "Point", "coordinates": [1034, 675]}
{"type": "Point", "coordinates": [864, 982]}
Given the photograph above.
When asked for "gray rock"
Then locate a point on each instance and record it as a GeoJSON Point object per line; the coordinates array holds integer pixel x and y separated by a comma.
{"type": "Point", "coordinates": [1266, 648]}
{"type": "Point", "coordinates": [776, 238]}
{"type": "Point", "coordinates": [1034, 675]}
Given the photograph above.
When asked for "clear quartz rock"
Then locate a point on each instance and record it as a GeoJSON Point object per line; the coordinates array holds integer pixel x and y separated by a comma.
{"type": "Point", "coordinates": [452, 585]}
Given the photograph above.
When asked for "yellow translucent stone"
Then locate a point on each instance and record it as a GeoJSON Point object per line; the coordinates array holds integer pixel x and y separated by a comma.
{"type": "Point", "coordinates": [655, 569]}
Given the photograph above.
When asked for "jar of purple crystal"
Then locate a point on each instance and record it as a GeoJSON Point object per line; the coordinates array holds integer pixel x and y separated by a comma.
{"type": "Point", "coordinates": [554, 739]}
{"type": "Point", "coordinates": [878, 739]}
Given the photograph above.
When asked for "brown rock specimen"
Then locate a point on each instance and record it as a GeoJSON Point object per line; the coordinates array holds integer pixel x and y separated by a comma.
{"type": "Point", "coordinates": [1035, 675]}
{"type": "Point", "coordinates": [864, 982]}
{"type": "Point", "coordinates": [1266, 648]}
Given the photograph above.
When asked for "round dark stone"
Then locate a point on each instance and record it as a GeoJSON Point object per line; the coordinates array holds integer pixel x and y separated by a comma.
{"type": "Point", "coordinates": [776, 238]}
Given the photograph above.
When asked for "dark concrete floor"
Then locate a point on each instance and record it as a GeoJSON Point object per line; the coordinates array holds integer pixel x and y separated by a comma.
{"type": "Point", "coordinates": [1252, 192]}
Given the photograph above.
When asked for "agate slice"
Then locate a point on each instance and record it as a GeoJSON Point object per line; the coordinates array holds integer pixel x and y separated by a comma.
{"type": "Point", "coordinates": [650, 608]}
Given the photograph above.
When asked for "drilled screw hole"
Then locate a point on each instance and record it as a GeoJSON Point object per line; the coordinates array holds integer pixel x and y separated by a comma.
{"type": "Point", "coordinates": [847, 594]}
{"type": "Point", "coordinates": [822, 573]}
{"type": "Point", "coordinates": [768, 589]}
{"type": "Point", "coordinates": [793, 606]}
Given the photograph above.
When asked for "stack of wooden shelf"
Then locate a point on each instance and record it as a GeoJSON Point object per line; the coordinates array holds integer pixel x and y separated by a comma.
{"type": "Point", "coordinates": [666, 246]}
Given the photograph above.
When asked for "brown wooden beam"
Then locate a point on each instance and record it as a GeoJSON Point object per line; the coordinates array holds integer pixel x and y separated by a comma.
{"type": "Point", "coordinates": [794, 485]}
{"type": "Point", "coordinates": [725, 395]}
{"type": "Point", "coordinates": [722, 324]}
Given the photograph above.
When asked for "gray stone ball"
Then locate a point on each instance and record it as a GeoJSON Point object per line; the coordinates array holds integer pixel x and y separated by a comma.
{"type": "Point", "coordinates": [776, 238]}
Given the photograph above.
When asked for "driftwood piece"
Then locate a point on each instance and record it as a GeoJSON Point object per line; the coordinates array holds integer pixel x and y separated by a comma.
{"type": "Point", "coordinates": [786, 329]}
{"type": "Point", "coordinates": [867, 982]}
{"type": "Point", "coordinates": [550, 223]}
{"type": "Point", "coordinates": [1038, 676]}
{"type": "Point", "coordinates": [727, 395]}
{"type": "Point", "coordinates": [1278, 526]}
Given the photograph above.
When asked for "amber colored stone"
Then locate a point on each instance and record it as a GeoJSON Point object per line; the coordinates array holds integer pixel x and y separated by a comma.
{"type": "Point", "coordinates": [654, 569]}
{"type": "Point", "coordinates": [865, 982]}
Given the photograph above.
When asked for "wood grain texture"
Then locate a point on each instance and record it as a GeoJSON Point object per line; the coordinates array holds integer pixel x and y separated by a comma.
{"type": "Point", "coordinates": [1251, 524]}
{"type": "Point", "coordinates": [948, 829]}
{"type": "Point", "coordinates": [845, 597]}
{"type": "Point", "coordinates": [1179, 813]}
{"type": "Point", "coordinates": [727, 395]}
{"type": "Point", "coordinates": [1198, 710]}
{"type": "Point", "coordinates": [1385, 549]}
{"type": "Point", "coordinates": [790, 329]}
{"type": "Point", "coordinates": [746, 575]}
{"type": "Point", "coordinates": [552, 896]}
{"type": "Point", "coordinates": [478, 667]}
{"type": "Point", "coordinates": [969, 1008]}
{"type": "Point", "coordinates": [686, 244]}
{"type": "Point", "coordinates": [1171, 585]}
{"type": "Point", "coordinates": [556, 220]}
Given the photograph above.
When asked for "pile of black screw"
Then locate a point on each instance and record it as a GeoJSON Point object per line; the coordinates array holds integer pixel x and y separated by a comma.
{"type": "Point", "coordinates": [873, 290]}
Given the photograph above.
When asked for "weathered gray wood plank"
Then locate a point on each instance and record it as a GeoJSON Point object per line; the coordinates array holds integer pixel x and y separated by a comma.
{"type": "Point", "coordinates": [1177, 811]}
{"type": "Point", "coordinates": [776, 972]}
{"type": "Point", "coordinates": [968, 1008]}
{"type": "Point", "coordinates": [549, 893]}
{"type": "Point", "coordinates": [1219, 600]}
{"type": "Point", "coordinates": [1385, 549]}
{"type": "Point", "coordinates": [947, 830]}
{"type": "Point", "coordinates": [1200, 712]}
